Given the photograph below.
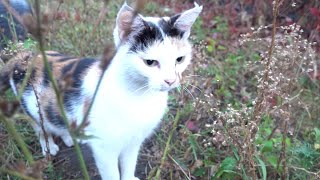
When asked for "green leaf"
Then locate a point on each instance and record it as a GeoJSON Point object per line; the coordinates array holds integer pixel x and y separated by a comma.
{"type": "Point", "coordinates": [29, 44]}
{"type": "Point", "coordinates": [288, 142]}
{"type": "Point", "coordinates": [226, 166]}
{"type": "Point", "coordinates": [263, 168]}
{"type": "Point", "coordinates": [221, 47]}
{"type": "Point", "coordinates": [209, 48]}
{"type": "Point", "coordinates": [272, 160]}
{"type": "Point", "coordinates": [317, 134]}
{"type": "Point", "coordinates": [267, 146]}
{"type": "Point", "coordinates": [235, 153]}
{"type": "Point", "coordinates": [268, 131]}
{"type": "Point", "coordinates": [199, 172]}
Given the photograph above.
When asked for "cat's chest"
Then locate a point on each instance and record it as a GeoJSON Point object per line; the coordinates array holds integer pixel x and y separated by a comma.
{"type": "Point", "coordinates": [144, 109]}
{"type": "Point", "coordinates": [120, 112]}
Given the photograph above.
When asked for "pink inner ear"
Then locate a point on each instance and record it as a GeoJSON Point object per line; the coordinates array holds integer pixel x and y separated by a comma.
{"type": "Point", "coordinates": [125, 24]}
{"type": "Point", "coordinates": [125, 18]}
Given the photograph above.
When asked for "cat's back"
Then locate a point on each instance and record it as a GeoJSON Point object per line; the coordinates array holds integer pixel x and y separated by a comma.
{"type": "Point", "coordinates": [66, 70]}
{"type": "Point", "coordinates": [38, 93]}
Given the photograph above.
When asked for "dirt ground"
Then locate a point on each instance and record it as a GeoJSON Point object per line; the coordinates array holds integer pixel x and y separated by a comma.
{"type": "Point", "coordinates": [66, 162]}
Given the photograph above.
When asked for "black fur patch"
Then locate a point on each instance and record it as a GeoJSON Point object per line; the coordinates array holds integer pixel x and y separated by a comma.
{"type": "Point", "coordinates": [146, 36]}
{"type": "Point", "coordinates": [46, 79]}
{"type": "Point", "coordinates": [53, 116]}
{"type": "Point", "coordinates": [169, 29]}
{"type": "Point", "coordinates": [73, 91]}
{"type": "Point", "coordinates": [66, 58]}
{"type": "Point", "coordinates": [55, 54]}
{"type": "Point", "coordinates": [18, 74]}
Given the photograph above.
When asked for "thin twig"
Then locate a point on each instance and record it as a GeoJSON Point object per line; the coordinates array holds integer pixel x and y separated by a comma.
{"type": "Point", "coordinates": [315, 174]}
{"type": "Point", "coordinates": [48, 155]}
{"type": "Point", "coordinates": [265, 78]}
{"type": "Point", "coordinates": [283, 151]}
{"type": "Point", "coordinates": [287, 101]}
{"type": "Point", "coordinates": [57, 92]}
{"type": "Point", "coordinates": [106, 61]}
{"type": "Point", "coordinates": [262, 93]}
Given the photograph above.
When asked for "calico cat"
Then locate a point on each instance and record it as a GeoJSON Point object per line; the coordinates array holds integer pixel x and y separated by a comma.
{"type": "Point", "coordinates": [131, 99]}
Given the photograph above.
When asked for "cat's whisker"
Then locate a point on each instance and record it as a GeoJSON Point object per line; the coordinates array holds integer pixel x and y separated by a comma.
{"type": "Point", "coordinates": [187, 90]}
{"type": "Point", "coordinates": [144, 86]}
{"type": "Point", "coordinates": [194, 87]}
{"type": "Point", "coordinates": [147, 91]}
{"type": "Point", "coordinates": [194, 75]}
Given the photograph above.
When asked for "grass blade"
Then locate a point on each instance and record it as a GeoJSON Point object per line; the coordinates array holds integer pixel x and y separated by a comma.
{"type": "Point", "coordinates": [263, 168]}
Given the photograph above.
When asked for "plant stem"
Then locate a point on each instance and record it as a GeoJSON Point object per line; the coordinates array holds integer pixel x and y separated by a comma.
{"type": "Point", "coordinates": [167, 148]}
{"type": "Point", "coordinates": [15, 173]}
{"type": "Point", "coordinates": [262, 92]}
{"type": "Point", "coordinates": [58, 94]}
{"type": "Point", "coordinates": [265, 77]}
{"type": "Point", "coordinates": [283, 152]}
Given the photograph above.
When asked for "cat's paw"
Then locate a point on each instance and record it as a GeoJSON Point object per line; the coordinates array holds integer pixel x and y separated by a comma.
{"type": "Point", "coordinates": [54, 149]}
{"type": "Point", "coordinates": [67, 140]}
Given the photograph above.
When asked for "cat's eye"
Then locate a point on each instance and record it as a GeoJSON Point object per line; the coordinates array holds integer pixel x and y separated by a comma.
{"type": "Point", "coordinates": [180, 60]}
{"type": "Point", "coordinates": [150, 62]}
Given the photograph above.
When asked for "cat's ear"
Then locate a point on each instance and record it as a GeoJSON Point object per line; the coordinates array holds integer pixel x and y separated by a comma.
{"type": "Point", "coordinates": [185, 20]}
{"type": "Point", "coordinates": [126, 22]}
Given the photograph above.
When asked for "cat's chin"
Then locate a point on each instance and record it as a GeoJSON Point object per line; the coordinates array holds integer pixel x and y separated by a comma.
{"type": "Point", "coordinates": [166, 89]}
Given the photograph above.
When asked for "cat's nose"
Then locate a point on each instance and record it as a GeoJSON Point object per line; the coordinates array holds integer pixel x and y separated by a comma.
{"type": "Point", "coordinates": [170, 81]}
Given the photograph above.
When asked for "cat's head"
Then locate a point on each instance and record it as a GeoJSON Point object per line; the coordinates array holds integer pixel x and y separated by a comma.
{"type": "Point", "coordinates": [157, 48]}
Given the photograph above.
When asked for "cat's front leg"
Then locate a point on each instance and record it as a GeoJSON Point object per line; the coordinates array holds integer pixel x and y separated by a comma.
{"type": "Point", "coordinates": [54, 148]}
{"type": "Point", "coordinates": [107, 161]}
{"type": "Point", "coordinates": [128, 161]}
